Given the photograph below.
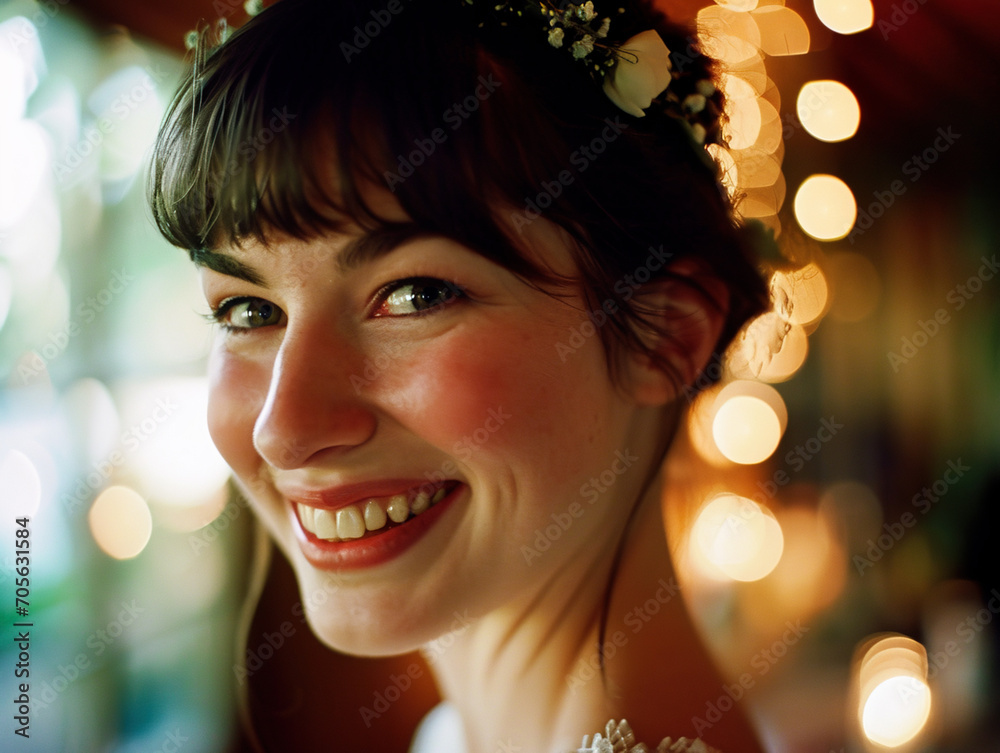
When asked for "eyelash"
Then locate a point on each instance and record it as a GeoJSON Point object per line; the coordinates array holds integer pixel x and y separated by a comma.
{"type": "Point", "coordinates": [453, 292]}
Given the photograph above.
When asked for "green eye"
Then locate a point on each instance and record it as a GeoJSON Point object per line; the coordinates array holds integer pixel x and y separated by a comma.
{"type": "Point", "coordinates": [242, 314]}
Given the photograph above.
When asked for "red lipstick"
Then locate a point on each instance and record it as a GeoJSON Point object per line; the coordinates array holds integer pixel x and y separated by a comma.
{"type": "Point", "coordinates": [373, 547]}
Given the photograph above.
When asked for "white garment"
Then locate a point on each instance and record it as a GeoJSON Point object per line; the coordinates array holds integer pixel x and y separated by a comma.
{"type": "Point", "coordinates": [440, 731]}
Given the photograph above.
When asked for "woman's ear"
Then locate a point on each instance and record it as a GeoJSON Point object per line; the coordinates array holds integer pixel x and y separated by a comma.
{"type": "Point", "coordinates": [689, 310]}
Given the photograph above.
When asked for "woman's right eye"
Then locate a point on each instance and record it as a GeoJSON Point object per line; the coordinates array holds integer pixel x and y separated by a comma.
{"type": "Point", "coordinates": [242, 314]}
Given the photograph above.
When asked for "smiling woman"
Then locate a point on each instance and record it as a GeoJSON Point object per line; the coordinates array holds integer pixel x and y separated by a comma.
{"type": "Point", "coordinates": [439, 336]}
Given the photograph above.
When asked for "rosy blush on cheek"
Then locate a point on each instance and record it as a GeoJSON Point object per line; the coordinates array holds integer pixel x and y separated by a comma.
{"type": "Point", "coordinates": [451, 390]}
{"type": "Point", "coordinates": [491, 391]}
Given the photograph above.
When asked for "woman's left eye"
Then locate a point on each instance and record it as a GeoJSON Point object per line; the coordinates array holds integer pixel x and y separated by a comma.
{"type": "Point", "coordinates": [415, 296]}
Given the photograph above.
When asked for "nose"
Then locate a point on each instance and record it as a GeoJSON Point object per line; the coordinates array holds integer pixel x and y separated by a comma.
{"type": "Point", "coordinates": [312, 407]}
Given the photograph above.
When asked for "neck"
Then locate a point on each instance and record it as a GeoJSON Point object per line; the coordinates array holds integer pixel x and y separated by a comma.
{"type": "Point", "coordinates": [528, 676]}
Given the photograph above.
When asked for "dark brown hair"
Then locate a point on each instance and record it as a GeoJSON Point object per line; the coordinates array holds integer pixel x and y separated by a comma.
{"type": "Point", "coordinates": [458, 115]}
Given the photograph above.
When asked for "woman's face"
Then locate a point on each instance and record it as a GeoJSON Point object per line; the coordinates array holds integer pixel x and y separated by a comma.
{"type": "Point", "coordinates": [353, 389]}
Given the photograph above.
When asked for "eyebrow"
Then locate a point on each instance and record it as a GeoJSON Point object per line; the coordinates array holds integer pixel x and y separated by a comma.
{"type": "Point", "coordinates": [226, 265]}
{"type": "Point", "coordinates": [368, 247]}
{"type": "Point", "coordinates": [377, 243]}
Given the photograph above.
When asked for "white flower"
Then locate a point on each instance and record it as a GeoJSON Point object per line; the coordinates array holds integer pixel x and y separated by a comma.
{"type": "Point", "coordinates": [694, 103]}
{"type": "Point", "coordinates": [556, 37]}
{"type": "Point", "coordinates": [586, 11]}
{"type": "Point", "coordinates": [605, 26]}
{"type": "Point", "coordinates": [641, 74]}
{"type": "Point", "coordinates": [583, 47]}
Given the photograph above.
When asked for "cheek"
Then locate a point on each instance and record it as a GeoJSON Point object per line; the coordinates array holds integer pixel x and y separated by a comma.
{"type": "Point", "coordinates": [504, 391]}
{"type": "Point", "coordinates": [451, 389]}
{"type": "Point", "coordinates": [237, 390]}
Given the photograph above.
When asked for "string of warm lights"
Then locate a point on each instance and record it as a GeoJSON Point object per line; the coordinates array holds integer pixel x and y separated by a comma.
{"type": "Point", "coordinates": [739, 423]}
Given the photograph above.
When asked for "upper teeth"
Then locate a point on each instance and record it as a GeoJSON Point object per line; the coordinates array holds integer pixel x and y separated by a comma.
{"type": "Point", "coordinates": [352, 521]}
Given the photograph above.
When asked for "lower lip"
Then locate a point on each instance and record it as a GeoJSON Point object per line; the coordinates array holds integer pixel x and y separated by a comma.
{"type": "Point", "coordinates": [373, 550]}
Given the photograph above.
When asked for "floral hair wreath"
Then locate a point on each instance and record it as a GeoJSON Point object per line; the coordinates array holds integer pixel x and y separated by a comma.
{"type": "Point", "coordinates": [633, 74]}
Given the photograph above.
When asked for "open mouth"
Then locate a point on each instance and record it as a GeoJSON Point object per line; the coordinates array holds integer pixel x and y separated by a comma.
{"type": "Point", "coordinates": [371, 517]}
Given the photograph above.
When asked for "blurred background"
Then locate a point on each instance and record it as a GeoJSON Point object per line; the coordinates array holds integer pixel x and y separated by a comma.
{"type": "Point", "coordinates": [838, 544]}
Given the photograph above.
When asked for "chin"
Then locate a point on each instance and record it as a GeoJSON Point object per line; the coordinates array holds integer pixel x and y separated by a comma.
{"type": "Point", "coordinates": [353, 620]}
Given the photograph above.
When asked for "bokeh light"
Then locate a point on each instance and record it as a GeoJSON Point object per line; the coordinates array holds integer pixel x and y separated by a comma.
{"type": "Point", "coordinates": [127, 100]}
{"type": "Point", "coordinates": [700, 419]}
{"type": "Point", "coordinates": [24, 164]}
{"type": "Point", "coordinates": [166, 419]}
{"type": "Point", "coordinates": [825, 207]}
{"type": "Point", "coordinates": [740, 35]}
{"type": "Point", "coordinates": [735, 538]}
{"type": "Point", "coordinates": [768, 139]}
{"type": "Point", "coordinates": [746, 430]}
{"type": "Point", "coordinates": [91, 409]}
{"type": "Point", "coordinates": [13, 96]}
{"type": "Point", "coordinates": [728, 34]}
{"type": "Point", "coordinates": [786, 362]}
{"type": "Point", "coordinates": [22, 63]}
{"type": "Point", "coordinates": [828, 110]}
{"type": "Point", "coordinates": [845, 16]}
{"type": "Point", "coordinates": [742, 110]}
{"type": "Point", "coordinates": [749, 421]}
{"type": "Point", "coordinates": [21, 483]}
{"type": "Point", "coordinates": [894, 698]}
{"type": "Point", "coordinates": [782, 30]}
{"type": "Point", "coordinates": [805, 292]}
{"type": "Point", "coordinates": [32, 248]}
{"type": "Point", "coordinates": [764, 202]}
{"type": "Point", "coordinates": [770, 349]}
{"type": "Point", "coordinates": [896, 711]}
{"type": "Point", "coordinates": [120, 522]}
{"type": "Point", "coordinates": [758, 167]}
